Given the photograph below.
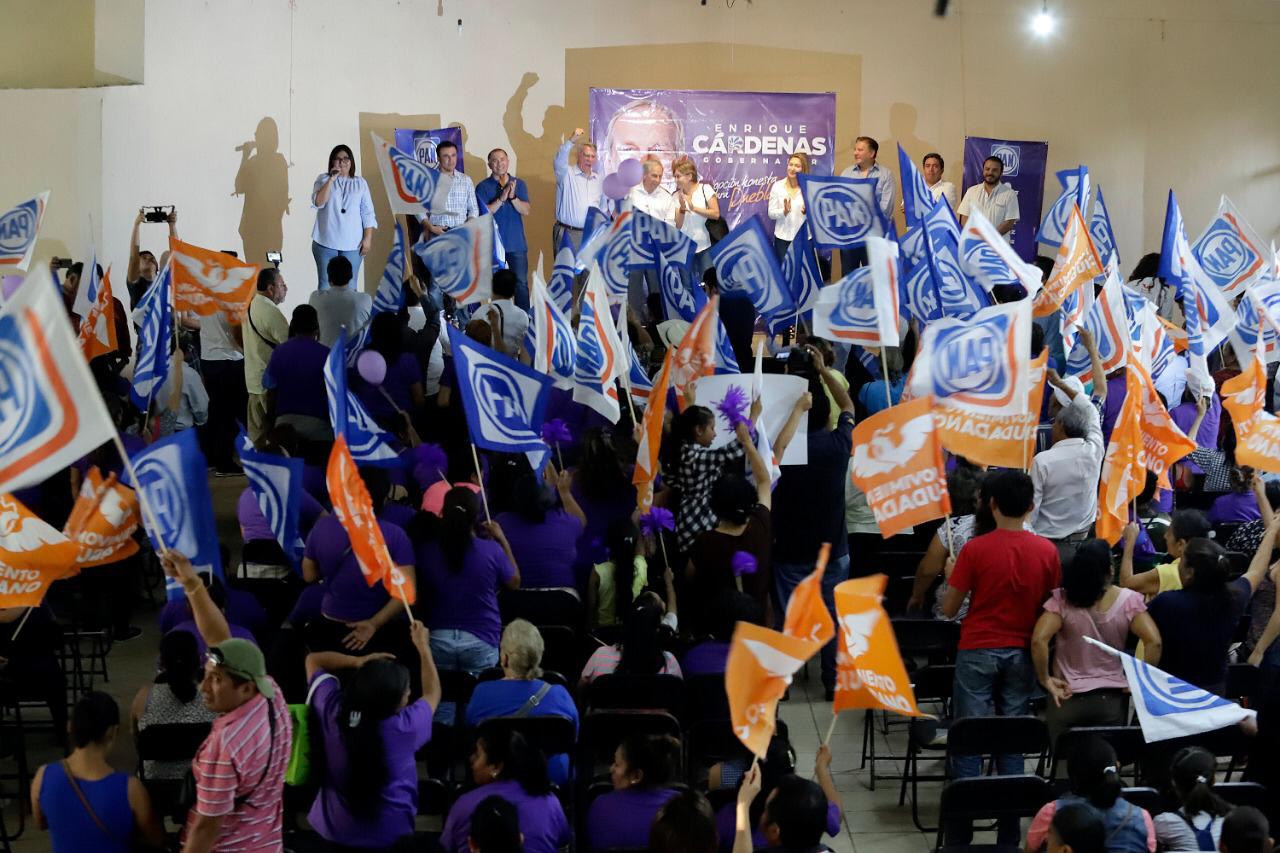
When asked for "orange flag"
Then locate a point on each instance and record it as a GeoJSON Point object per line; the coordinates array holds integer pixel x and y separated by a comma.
{"type": "Point", "coordinates": [1162, 441]}
{"type": "Point", "coordinates": [1124, 468]}
{"type": "Point", "coordinates": [897, 463]}
{"type": "Point", "coordinates": [655, 410]}
{"type": "Point", "coordinates": [209, 282]}
{"type": "Point", "coordinates": [761, 663]}
{"type": "Point", "coordinates": [807, 615]}
{"type": "Point", "coordinates": [1257, 431]}
{"type": "Point", "coordinates": [32, 555]}
{"type": "Point", "coordinates": [354, 508]}
{"type": "Point", "coordinates": [1005, 441]}
{"type": "Point", "coordinates": [98, 328]}
{"type": "Point", "coordinates": [103, 521]}
{"type": "Point", "coordinates": [696, 354]}
{"type": "Point", "coordinates": [1077, 264]}
{"type": "Point", "coordinates": [869, 668]}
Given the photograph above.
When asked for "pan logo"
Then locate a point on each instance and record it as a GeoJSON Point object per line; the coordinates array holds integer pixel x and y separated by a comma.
{"type": "Point", "coordinates": [971, 359]}
{"type": "Point", "coordinates": [501, 401]}
{"type": "Point", "coordinates": [1009, 155]}
{"type": "Point", "coordinates": [16, 228]}
{"type": "Point", "coordinates": [424, 150]}
{"type": "Point", "coordinates": [24, 411]}
{"type": "Point", "coordinates": [1223, 254]}
{"type": "Point", "coordinates": [842, 213]}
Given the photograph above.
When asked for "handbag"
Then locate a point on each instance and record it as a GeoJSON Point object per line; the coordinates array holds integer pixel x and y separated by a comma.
{"type": "Point", "coordinates": [717, 229]}
{"type": "Point", "coordinates": [303, 767]}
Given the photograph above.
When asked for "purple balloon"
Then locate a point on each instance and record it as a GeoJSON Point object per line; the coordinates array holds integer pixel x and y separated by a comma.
{"type": "Point", "coordinates": [10, 285]}
{"type": "Point", "coordinates": [614, 187]}
{"type": "Point", "coordinates": [372, 367]}
{"type": "Point", "coordinates": [631, 171]}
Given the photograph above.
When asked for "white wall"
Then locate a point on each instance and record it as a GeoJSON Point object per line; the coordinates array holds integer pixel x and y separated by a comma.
{"type": "Point", "coordinates": [1149, 94]}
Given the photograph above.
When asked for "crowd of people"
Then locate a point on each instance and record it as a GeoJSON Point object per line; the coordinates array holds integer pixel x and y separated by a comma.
{"type": "Point", "coordinates": [310, 675]}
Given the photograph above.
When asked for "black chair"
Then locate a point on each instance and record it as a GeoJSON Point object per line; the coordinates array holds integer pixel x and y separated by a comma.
{"type": "Point", "coordinates": [1239, 562]}
{"type": "Point", "coordinates": [541, 606]}
{"type": "Point", "coordinates": [602, 730]}
{"type": "Point", "coordinates": [934, 639]}
{"type": "Point", "coordinates": [564, 651]}
{"type": "Point", "coordinates": [1127, 741]}
{"type": "Point", "coordinates": [550, 734]}
{"type": "Point", "coordinates": [1244, 794]}
{"type": "Point", "coordinates": [168, 742]}
{"type": "Point", "coordinates": [990, 798]}
{"type": "Point", "coordinates": [622, 690]}
{"type": "Point", "coordinates": [1242, 682]}
{"type": "Point", "coordinates": [705, 699]}
{"type": "Point", "coordinates": [1145, 798]}
{"type": "Point", "coordinates": [1229, 742]}
{"type": "Point", "coordinates": [449, 744]}
{"type": "Point", "coordinates": [931, 684]}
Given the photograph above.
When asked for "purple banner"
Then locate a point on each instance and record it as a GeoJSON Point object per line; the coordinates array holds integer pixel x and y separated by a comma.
{"type": "Point", "coordinates": [739, 141]}
{"type": "Point", "coordinates": [1024, 170]}
{"type": "Point", "coordinates": [423, 143]}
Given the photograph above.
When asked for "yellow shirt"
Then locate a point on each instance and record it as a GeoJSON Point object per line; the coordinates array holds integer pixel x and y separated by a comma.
{"type": "Point", "coordinates": [605, 593]}
{"type": "Point", "coordinates": [1170, 579]}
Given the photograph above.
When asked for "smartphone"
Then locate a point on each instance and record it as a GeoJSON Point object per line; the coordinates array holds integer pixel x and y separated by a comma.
{"type": "Point", "coordinates": [62, 263]}
{"type": "Point", "coordinates": [157, 213]}
{"type": "Point", "coordinates": [273, 258]}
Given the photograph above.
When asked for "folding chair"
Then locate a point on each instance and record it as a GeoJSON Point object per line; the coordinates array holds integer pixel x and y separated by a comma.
{"type": "Point", "coordinates": [168, 742]}
{"type": "Point", "coordinates": [555, 606]}
{"type": "Point", "coordinates": [601, 731]}
{"type": "Point", "coordinates": [621, 690]}
{"type": "Point", "coordinates": [931, 684]}
{"type": "Point", "coordinates": [1127, 741]}
{"type": "Point", "coordinates": [1145, 798]}
{"type": "Point", "coordinates": [1244, 794]}
{"type": "Point", "coordinates": [990, 798]}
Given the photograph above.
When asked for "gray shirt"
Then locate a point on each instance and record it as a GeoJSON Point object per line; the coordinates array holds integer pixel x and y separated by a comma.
{"type": "Point", "coordinates": [338, 307]}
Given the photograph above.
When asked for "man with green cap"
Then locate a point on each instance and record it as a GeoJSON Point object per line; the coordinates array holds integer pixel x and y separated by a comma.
{"type": "Point", "coordinates": [239, 769]}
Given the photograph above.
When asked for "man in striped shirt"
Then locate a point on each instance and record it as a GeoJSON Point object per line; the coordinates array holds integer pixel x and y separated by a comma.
{"type": "Point", "coordinates": [239, 769]}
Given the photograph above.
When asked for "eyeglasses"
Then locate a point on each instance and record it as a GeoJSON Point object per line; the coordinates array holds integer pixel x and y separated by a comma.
{"type": "Point", "coordinates": [217, 658]}
{"type": "Point", "coordinates": [342, 159]}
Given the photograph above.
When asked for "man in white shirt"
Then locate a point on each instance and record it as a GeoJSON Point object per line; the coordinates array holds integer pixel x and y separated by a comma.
{"type": "Point", "coordinates": [931, 169]}
{"type": "Point", "coordinates": [461, 204]}
{"type": "Point", "coordinates": [507, 319]}
{"type": "Point", "coordinates": [1065, 477]}
{"type": "Point", "coordinates": [221, 358]}
{"type": "Point", "coordinates": [267, 329]}
{"type": "Point", "coordinates": [997, 201]}
{"type": "Point", "coordinates": [865, 151]}
{"type": "Point", "coordinates": [340, 305]}
{"type": "Point", "coordinates": [578, 189]}
{"type": "Point", "coordinates": [651, 197]}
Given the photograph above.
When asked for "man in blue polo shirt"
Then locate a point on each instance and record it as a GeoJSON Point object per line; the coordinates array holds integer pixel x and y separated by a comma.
{"type": "Point", "coordinates": [507, 198]}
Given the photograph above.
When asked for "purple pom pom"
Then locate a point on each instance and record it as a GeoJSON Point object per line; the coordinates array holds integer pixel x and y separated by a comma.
{"type": "Point", "coordinates": [734, 406]}
{"type": "Point", "coordinates": [556, 431]}
{"type": "Point", "coordinates": [429, 463]}
{"type": "Point", "coordinates": [743, 564]}
{"type": "Point", "coordinates": [656, 520]}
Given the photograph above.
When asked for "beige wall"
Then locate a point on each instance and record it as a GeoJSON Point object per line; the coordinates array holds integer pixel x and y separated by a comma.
{"type": "Point", "coordinates": [1149, 94]}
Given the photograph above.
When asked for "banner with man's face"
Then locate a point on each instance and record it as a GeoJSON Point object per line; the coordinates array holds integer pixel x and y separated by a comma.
{"type": "Point", "coordinates": [738, 141]}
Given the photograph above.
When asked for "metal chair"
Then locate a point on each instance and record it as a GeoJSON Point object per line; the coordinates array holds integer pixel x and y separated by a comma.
{"type": "Point", "coordinates": [1145, 798]}
{"type": "Point", "coordinates": [1127, 741]}
{"type": "Point", "coordinates": [990, 798]}
{"type": "Point", "coordinates": [931, 684]}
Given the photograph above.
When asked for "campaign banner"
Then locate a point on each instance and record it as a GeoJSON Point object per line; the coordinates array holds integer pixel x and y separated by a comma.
{"type": "Point", "coordinates": [1024, 170]}
{"type": "Point", "coordinates": [422, 144]}
{"type": "Point", "coordinates": [739, 141]}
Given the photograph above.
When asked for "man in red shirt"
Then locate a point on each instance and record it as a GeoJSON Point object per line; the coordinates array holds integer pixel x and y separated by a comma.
{"type": "Point", "coordinates": [1008, 573]}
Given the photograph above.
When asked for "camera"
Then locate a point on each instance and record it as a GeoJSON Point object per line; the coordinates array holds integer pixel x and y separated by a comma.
{"type": "Point", "coordinates": [274, 259]}
{"type": "Point", "coordinates": [62, 263]}
{"type": "Point", "coordinates": [157, 213]}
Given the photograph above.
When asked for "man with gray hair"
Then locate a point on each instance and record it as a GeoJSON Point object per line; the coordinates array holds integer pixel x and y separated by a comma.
{"type": "Point", "coordinates": [1065, 476]}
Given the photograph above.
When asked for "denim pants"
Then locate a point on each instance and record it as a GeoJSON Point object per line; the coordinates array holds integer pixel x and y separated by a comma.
{"type": "Point", "coordinates": [323, 254]}
{"type": "Point", "coordinates": [458, 650]}
{"type": "Point", "coordinates": [518, 263]}
{"type": "Point", "coordinates": [786, 576]}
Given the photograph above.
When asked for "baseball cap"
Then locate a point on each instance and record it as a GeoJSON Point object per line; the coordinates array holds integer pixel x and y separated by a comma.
{"type": "Point", "coordinates": [1074, 383]}
{"type": "Point", "coordinates": [242, 658]}
{"type": "Point", "coordinates": [433, 497]}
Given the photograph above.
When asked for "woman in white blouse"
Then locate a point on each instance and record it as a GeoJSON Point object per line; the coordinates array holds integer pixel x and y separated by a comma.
{"type": "Point", "coordinates": [344, 215]}
{"type": "Point", "coordinates": [786, 206]}
{"type": "Point", "coordinates": [695, 203]}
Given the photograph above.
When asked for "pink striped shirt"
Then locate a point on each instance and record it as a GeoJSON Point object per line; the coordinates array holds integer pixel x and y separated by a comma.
{"type": "Point", "coordinates": [230, 764]}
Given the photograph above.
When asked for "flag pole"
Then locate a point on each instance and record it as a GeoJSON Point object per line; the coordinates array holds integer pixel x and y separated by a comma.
{"type": "Point", "coordinates": [831, 729]}
{"type": "Point", "coordinates": [484, 498]}
{"type": "Point", "coordinates": [143, 502]}
{"type": "Point", "coordinates": [23, 621]}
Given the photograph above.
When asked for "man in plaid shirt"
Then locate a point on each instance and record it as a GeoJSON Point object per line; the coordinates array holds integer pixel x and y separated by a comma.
{"type": "Point", "coordinates": [461, 204]}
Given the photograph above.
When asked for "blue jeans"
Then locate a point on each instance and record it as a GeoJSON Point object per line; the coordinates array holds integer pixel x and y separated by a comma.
{"type": "Point", "coordinates": [518, 263]}
{"type": "Point", "coordinates": [323, 254]}
{"type": "Point", "coordinates": [786, 576]}
{"type": "Point", "coordinates": [462, 651]}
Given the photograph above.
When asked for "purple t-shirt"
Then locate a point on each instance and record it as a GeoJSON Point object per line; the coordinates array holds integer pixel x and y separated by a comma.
{"type": "Point", "coordinates": [623, 818]}
{"type": "Point", "coordinates": [1116, 391]}
{"type": "Point", "coordinates": [347, 597]}
{"type": "Point", "coordinates": [1184, 415]}
{"type": "Point", "coordinates": [726, 825]}
{"type": "Point", "coordinates": [544, 551]}
{"type": "Point", "coordinates": [709, 658]}
{"type": "Point", "coordinates": [296, 372]}
{"type": "Point", "coordinates": [601, 514]}
{"type": "Point", "coordinates": [253, 524]}
{"type": "Point", "coordinates": [1234, 507]}
{"type": "Point", "coordinates": [542, 820]}
{"type": "Point", "coordinates": [465, 600]}
{"type": "Point", "coordinates": [189, 626]}
{"type": "Point", "coordinates": [401, 374]}
{"type": "Point", "coordinates": [403, 734]}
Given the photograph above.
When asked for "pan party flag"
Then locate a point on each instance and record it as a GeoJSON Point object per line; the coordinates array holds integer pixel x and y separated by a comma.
{"type": "Point", "coordinates": [1230, 252]}
{"type": "Point", "coordinates": [32, 555]}
{"type": "Point", "coordinates": [1076, 265]}
{"type": "Point", "coordinates": [18, 230]}
{"type": "Point", "coordinates": [759, 669]}
{"type": "Point", "coordinates": [1257, 431]}
{"type": "Point", "coordinates": [103, 521]}
{"type": "Point", "coordinates": [209, 282]}
{"type": "Point", "coordinates": [1123, 469]}
{"type": "Point", "coordinates": [352, 505]}
{"type": "Point", "coordinates": [1005, 441]}
{"type": "Point", "coordinates": [461, 261]}
{"type": "Point", "coordinates": [897, 463]}
{"type": "Point", "coordinates": [807, 616]}
{"type": "Point", "coordinates": [869, 668]}
{"type": "Point", "coordinates": [978, 364]}
{"type": "Point", "coordinates": [695, 355]}
{"type": "Point", "coordinates": [412, 186]}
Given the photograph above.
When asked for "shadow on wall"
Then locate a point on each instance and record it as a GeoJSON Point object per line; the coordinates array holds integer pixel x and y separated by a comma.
{"type": "Point", "coordinates": [263, 183]}
{"type": "Point", "coordinates": [534, 155]}
{"type": "Point", "coordinates": [903, 119]}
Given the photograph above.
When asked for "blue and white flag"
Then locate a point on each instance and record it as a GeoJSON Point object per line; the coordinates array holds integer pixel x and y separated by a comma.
{"type": "Point", "coordinates": [1169, 707]}
{"type": "Point", "coordinates": [461, 261]}
{"type": "Point", "coordinates": [598, 363]}
{"type": "Point", "coordinates": [942, 226]}
{"type": "Point", "coordinates": [499, 250]}
{"type": "Point", "coordinates": [682, 299]}
{"type": "Point", "coordinates": [412, 186]}
{"type": "Point", "coordinates": [917, 200]}
{"type": "Point", "coordinates": [390, 295]}
{"type": "Point", "coordinates": [1075, 193]}
{"type": "Point", "coordinates": [277, 484]}
{"type": "Point", "coordinates": [617, 260]}
{"type": "Point", "coordinates": [19, 227]}
{"type": "Point", "coordinates": [843, 212]}
{"type": "Point", "coordinates": [1259, 306]}
{"type": "Point", "coordinates": [1104, 239]}
{"type": "Point", "coordinates": [746, 263]}
{"type": "Point", "coordinates": [988, 259]}
{"type": "Point", "coordinates": [937, 287]}
{"type": "Point", "coordinates": [801, 272]}
{"type": "Point", "coordinates": [155, 334]}
{"type": "Point", "coordinates": [369, 443]}
{"type": "Point", "coordinates": [553, 347]}
{"type": "Point", "coordinates": [560, 288]}
{"type": "Point", "coordinates": [634, 377]}
{"type": "Point", "coordinates": [597, 231]}
{"type": "Point", "coordinates": [356, 344]}
{"type": "Point", "coordinates": [726, 360]}
{"type": "Point", "coordinates": [173, 481]}
{"type": "Point", "coordinates": [505, 401]}
{"type": "Point", "coordinates": [862, 308]}
{"type": "Point", "coordinates": [979, 364]}
{"type": "Point", "coordinates": [1230, 252]}
{"type": "Point", "coordinates": [1209, 317]}
{"type": "Point", "coordinates": [652, 238]}
{"type": "Point", "coordinates": [87, 291]}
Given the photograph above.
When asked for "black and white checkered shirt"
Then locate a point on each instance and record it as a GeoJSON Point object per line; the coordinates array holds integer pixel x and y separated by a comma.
{"type": "Point", "coordinates": [700, 467]}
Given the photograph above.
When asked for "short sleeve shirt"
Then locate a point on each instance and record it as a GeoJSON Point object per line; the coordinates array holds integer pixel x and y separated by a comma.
{"type": "Point", "coordinates": [1009, 574]}
{"type": "Point", "coordinates": [348, 597]}
{"type": "Point", "coordinates": [1084, 666]}
{"type": "Point", "coordinates": [509, 221]}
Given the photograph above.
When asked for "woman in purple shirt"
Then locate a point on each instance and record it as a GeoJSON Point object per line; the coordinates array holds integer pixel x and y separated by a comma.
{"type": "Point", "coordinates": [643, 768]}
{"type": "Point", "coordinates": [544, 532]}
{"type": "Point", "coordinates": [371, 732]}
{"type": "Point", "coordinates": [462, 573]}
{"type": "Point", "coordinates": [1240, 504]}
{"type": "Point", "coordinates": [504, 765]}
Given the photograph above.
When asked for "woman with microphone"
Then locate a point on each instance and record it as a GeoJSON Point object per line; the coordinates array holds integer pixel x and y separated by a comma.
{"type": "Point", "coordinates": [344, 215]}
